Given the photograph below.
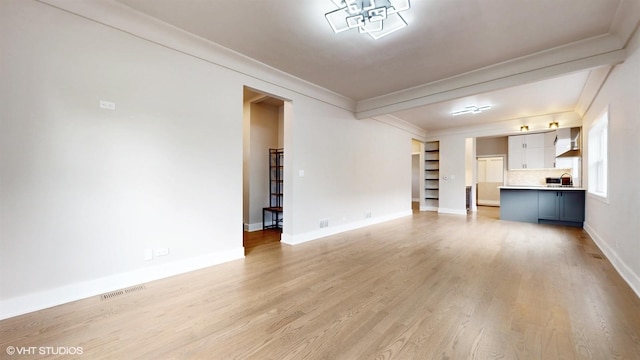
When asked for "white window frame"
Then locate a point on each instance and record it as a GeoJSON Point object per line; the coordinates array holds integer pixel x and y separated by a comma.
{"type": "Point", "coordinates": [598, 157]}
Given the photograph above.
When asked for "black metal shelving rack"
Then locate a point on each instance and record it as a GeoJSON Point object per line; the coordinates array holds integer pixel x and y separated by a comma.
{"type": "Point", "coordinates": [272, 215]}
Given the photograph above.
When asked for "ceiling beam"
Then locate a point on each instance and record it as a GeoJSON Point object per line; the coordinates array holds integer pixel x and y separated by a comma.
{"type": "Point", "coordinates": [537, 123]}
{"type": "Point", "coordinates": [594, 83]}
{"type": "Point", "coordinates": [583, 55]}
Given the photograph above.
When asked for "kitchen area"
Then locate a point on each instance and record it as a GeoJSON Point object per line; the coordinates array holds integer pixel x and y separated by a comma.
{"type": "Point", "coordinates": [543, 182]}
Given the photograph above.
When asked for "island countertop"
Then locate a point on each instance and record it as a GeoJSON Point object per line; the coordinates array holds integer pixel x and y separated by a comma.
{"type": "Point", "coordinates": [540, 187]}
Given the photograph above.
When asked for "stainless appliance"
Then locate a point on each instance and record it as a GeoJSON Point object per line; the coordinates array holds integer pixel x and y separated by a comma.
{"type": "Point", "coordinates": [553, 181]}
{"type": "Point", "coordinates": [563, 181]}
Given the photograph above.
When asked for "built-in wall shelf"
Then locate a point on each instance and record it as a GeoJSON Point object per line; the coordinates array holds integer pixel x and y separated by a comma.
{"type": "Point", "coordinates": [432, 175]}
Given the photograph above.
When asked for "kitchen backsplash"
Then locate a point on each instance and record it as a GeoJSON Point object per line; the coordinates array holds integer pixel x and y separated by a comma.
{"type": "Point", "coordinates": [533, 177]}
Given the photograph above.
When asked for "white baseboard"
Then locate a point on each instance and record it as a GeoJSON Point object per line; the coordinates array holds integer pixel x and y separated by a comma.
{"type": "Point", "coordinates": [317, 234]}
{"type": "Point", "coordinates": [82, 290]}
{"type": "Point", "coordinates": [428, 208]}
{"type": "Point", "coordinates": [489, 202]}
{"type": "Point", "coordinates": [452, 211]}
{"type": "Point", "coordinates": [252, 227]}
{"type": "Point", "coordinates": [621, 267]}
{"type": "Point", "coordinates": [443, 210]}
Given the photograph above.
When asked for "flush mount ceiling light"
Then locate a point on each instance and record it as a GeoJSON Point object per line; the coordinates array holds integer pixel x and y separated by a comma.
{"type": "Point", "coordinates": [524, 128]}
{"type": "Point", "coordinates": [377, 18]}
{"type": "Point", "coordinates": [472, 109]}
{"type": "Point", "coordinates": [553, 125]}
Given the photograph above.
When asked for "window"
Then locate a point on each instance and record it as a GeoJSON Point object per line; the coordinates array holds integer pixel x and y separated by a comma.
{"type": "Point", "coordinates": [598, 144]}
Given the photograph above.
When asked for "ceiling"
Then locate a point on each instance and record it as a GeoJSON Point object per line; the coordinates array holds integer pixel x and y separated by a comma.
{"type": "Point", "coordinates": [552, 96]}
{"type": "Point", "coordinates": [525, 58]}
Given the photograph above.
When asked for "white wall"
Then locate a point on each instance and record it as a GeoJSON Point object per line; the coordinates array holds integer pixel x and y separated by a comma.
{"type": "Point", "coordinates": [492, 146]}
{"type": "Point", "coordinates": [471, 172]}
{"type": "Point", "coordinates": [84, 191]}
{"type": "Point", "coordinates": [351, 167]}
{"type": "Point", "coordinates": [453, 167]}
{"type": "Point", "coordinates": [469, 161]}
{"type": "Point", "coordinates": [614, 224]}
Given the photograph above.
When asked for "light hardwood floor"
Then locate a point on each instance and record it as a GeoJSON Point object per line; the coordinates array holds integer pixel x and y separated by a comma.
{"type": "Point", "coordinates": [254, 239]}
{"type": "Point", "coordinates": [423, 287]}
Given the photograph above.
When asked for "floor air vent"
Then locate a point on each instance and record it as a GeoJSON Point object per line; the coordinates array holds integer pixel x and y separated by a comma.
{"type": "Point", "coordinates": [117, 293]}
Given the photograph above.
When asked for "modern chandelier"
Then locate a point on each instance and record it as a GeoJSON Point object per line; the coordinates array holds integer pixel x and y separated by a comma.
{"type": "Point", "coordinates": [471, 109]}
{"type": "Point", "coordinates": [377, 18]}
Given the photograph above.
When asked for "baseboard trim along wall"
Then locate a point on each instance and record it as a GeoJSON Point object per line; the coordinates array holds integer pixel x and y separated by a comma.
{"type": "Point", "coordinates": [78, 291]}
{"type": "Point", "coordinates": [317, 234]}
{"type": "Point", "coordinates": [452, 211]}
{"type": "Point", "coordinates": [621, 267]}
{"type": "Point", "coordinates": [489, 202]}
{"type": "Point", "coordinates": [252, 227]}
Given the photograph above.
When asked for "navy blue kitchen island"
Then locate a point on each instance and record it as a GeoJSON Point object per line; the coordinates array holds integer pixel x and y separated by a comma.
{"type": "Point", "coordinates": [543, 205]}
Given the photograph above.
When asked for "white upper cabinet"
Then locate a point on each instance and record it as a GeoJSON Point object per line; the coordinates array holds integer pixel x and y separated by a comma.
{"type": "Point", "coordinates": [550, 149]}
{"type": "Point", "coordinates": [527, 151]}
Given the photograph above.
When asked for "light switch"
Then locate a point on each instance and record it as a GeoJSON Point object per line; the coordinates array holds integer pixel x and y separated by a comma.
{"type": "Point", "coordinates": [301, 173]}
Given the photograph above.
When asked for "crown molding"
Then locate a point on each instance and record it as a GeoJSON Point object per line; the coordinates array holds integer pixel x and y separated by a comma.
{"type": "Point", "coordinates": [398, 123]}
{"type": "Point", "coordinates": [592, 87]}
{"type": "Point", "coordinates": [123, 18]}
{"type": "Point", "coordinates": [626, 21]}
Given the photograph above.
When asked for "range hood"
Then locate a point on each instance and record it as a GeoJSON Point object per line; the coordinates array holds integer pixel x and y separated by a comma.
{"type": "Point", "coordinates": [568, 142]}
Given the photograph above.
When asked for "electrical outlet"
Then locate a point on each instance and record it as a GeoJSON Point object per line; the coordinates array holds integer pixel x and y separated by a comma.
{"type": "Point", "coordinates": [107, 105]}
{"type": "Point", "coordinates": [324, 223]}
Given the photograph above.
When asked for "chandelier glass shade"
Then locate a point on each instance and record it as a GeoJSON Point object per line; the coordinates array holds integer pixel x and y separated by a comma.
{"type": "Point", "coordinates": [378, 18]}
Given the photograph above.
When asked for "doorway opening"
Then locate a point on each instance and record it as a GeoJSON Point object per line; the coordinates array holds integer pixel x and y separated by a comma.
{"type": "Point", "coordinates": [491, 171]}
{"type": "Point", "coordinates": [263, 175]}
{"type": "Point", "coordinates": [491, 167]}
{"type": "Point", "coordinates": [417, 171]}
